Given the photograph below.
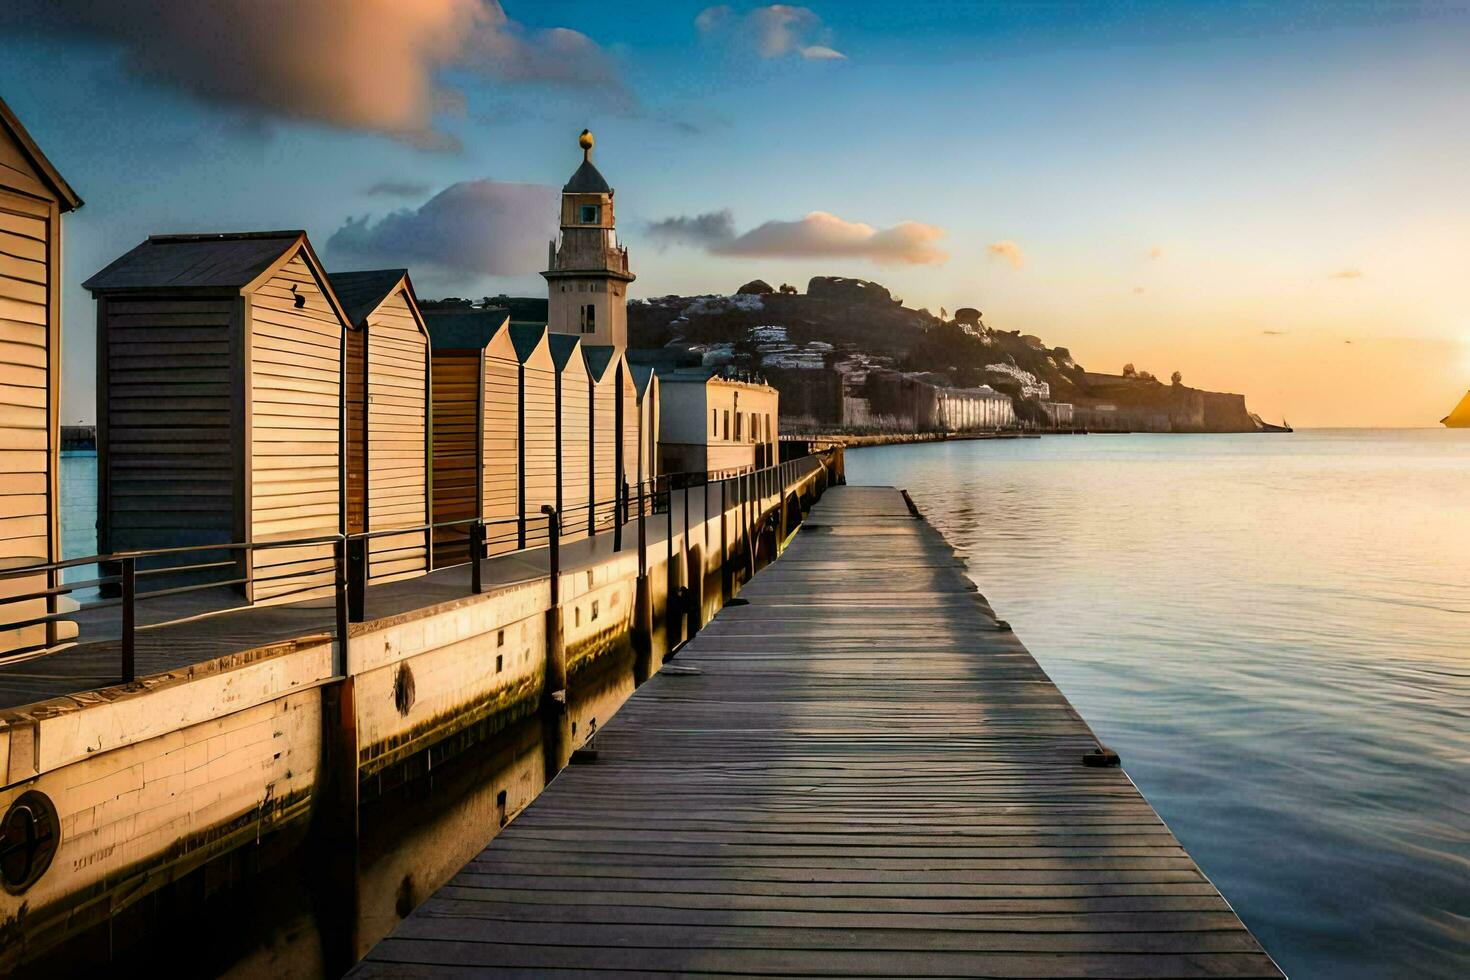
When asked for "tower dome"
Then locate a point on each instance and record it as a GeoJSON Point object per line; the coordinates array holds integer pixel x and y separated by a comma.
{"type": "Point", "coordinates": [587, 274]}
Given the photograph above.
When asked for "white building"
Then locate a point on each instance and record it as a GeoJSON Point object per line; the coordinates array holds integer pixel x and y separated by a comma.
{"type": "Point", "coordinates": [713, 424]}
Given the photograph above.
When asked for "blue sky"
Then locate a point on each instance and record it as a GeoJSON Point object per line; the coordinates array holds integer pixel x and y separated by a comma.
{"type": "Point", "coordinates": [1271, 198]}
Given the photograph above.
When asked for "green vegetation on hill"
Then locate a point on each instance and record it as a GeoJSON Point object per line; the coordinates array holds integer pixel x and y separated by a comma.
{"type": "Point", "coordinates": [839, 321]}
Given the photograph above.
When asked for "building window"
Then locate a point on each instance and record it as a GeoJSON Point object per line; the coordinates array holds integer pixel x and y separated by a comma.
{"type": "Point", "coordinates": [589, 318]}
{"type": "Point", "coordinates": [727, 425]}
{"type": "Point", "coordinates": [714, 423]}
{"type": "Point", "coordinates": [591, 214]}
{"type": "Point", "coordinates": [738, 417]}
{"type": "Point", "coordinates": [770, 432]}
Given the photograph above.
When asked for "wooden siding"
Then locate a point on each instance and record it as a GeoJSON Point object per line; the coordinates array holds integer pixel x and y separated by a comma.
{"type": "Point", "coordinates": [632, 430]}
{"type": "Point", "coordinates": [355, 377]}
{"type": "Point", "coordinates": [168, 467]}
{"type": "Point", "coordinates": [27, 449]}
{"type": "Point", "coordinates": [574, 418]}
{"type": "Point", "coordinates": [538, 450]}
{"type": "Point", "coordinates": [294, 454]}
{"type": "Point", "coordinates": [605, 447]}
{"type": "Point", "coordinates": [500, 459]}
{"type": "Point", "coordinates": [397, 362]}
{"type": "Point", "coordinates": [648, 420]}
{"type": "Point", "coordinates": [455, 377]}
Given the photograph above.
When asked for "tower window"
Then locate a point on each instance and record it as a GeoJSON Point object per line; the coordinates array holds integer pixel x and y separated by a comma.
{"type": "Point", "coordinates": [591, 214]}
{"type": "Point", "coordinates": [588, 318]}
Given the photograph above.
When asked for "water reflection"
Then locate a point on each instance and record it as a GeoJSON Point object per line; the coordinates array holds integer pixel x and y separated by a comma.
{"type": "Point", "coordinates": [1275, 634]}
{"type": "Point", "coordinates": [262, 914]}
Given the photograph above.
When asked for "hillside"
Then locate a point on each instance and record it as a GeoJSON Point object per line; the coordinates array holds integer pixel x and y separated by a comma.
{"type": "Point", "coordinates": [839, 330]}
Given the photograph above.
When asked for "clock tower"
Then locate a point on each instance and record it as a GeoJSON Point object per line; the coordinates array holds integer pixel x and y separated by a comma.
{"type": "Point", "coordinates": [587, 278]}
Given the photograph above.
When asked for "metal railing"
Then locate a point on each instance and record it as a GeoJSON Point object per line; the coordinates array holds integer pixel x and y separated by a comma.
{"type": "Point", "coordinates": [348, 576]}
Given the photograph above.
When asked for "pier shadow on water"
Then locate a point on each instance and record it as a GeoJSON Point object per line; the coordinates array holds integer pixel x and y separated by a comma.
{"type": "Point", "coordinates": [264, 911]}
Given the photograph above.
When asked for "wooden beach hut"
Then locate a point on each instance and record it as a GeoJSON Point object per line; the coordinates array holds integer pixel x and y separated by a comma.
{"type": "Point", "coordinates": [604, 365]}
{"type": "Point", "coordinates": [33, 197]}
{"type": "Point", "coordinates": [629, 429]}
{"type": "Point", "coordinates": [387, 419]}
{"type": "Point", "coordinates": [573, 428]}
{"type": "Point", "coordinates": [646, 381]}
{"type": "Point", "coordinates": [539, 461]}
{"type": "Point", "coordinates": [219, 405]}
{"type": "Point", "coordinates": [476, 380]}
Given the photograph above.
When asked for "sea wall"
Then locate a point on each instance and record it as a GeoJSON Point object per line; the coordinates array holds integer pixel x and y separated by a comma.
{"type": "Point", "coordinates": [129, 788]}
{"type": "Point", "coordinates": [1139, 407]}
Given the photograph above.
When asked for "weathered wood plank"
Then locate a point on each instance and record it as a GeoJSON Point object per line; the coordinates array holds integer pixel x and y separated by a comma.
{"type": "Point", "coordinates": [865, 777]}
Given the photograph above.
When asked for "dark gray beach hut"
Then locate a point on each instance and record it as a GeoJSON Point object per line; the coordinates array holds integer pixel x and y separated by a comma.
{"type": "Point", "coordinates": [219, 403]}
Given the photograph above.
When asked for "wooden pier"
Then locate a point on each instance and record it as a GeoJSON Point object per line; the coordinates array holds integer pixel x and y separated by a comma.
{"type": "Point", "coordinates": [857, 773]}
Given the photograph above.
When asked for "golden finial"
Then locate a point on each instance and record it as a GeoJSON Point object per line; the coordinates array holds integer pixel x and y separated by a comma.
{"type": "Point", "coordinates": [585, 141]}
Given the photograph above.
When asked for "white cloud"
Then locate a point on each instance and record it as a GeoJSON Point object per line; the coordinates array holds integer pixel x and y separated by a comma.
{"type": "Point", "coordinates": [773, 31]}
{"type": "Point", "coordinates": [711, 228]}
{"type": "Point", "coordinates": [818, 235]}
{"type": "Point", "coordinates": [1008, 251]}
{"type": "Point", "coordinates": [357, 64]}
{"type": "Point", "coordinates": [470, 229]}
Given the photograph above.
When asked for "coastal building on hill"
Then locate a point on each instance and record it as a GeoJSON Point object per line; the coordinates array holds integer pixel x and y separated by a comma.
{"type": "Point", "coordinates": [913, 402]}
{"type": "Point", "coordinates": [33, 197]}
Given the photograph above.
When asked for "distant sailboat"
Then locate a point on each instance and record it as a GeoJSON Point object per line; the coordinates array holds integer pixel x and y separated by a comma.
{"type": "Point", "coordinates": [1460, 417]}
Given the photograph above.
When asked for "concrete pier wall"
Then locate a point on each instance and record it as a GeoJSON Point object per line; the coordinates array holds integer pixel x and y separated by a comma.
{"type": "Point", "coordinates": [151, 781]}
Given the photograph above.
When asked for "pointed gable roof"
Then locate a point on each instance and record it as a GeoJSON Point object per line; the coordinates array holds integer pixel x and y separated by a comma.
{"type": "Point", "coordinates": [464, 329]}
{"type": "Point", "coordinates": [527, 338]}
{"type": "Point", "coordinates": [36, 160]}
{"type": "Point", "coordinates": [599, 358]}
{"type": "Point", "coordinates": [587, 180]}
{"type": "Point", "coordinates": [196, 261]}
{"type": "Point", "coordinates": [563, 349]}
{"type": "Point", "coordinates": [643, 376]}
{"type": "Point", "coordinates": [360, 293]}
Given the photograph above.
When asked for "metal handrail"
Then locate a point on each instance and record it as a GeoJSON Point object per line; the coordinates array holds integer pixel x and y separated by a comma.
{"type": "Point", "coordinates": [652, 496]}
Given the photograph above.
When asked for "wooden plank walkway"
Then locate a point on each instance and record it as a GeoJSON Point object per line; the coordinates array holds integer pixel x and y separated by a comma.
{"type": "Point", "coordinates": [865, 777]}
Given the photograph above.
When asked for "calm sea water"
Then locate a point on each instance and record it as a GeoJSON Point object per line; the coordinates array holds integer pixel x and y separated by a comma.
{"type": "Point", "coordinates": [1274, 632]}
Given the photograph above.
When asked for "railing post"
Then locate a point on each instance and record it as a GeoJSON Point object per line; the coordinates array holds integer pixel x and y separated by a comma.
{"type": "Point", "coordinates": [724, 542]}
{"type": "Point", "coordinates": [620, 514]}
{"type": "Point", "coordinates": [671, 587]}
{"type": "Point", "coordinates": [477, 549]}
{"type": "Point", "coordinates": [339, 656]}
{"type": "Point", "coordinates": [332, 847]}
{"type": "Point", "coordinates": [553, 537]}
{"type": "Point", "coordinates": [357, 567]}
{"type": "Point", "coordinates": [554, 696]}
{"type": "Point", "coordinates": [642, 632]}
{"type": "Point", "coordinates": [129, 571]}
{"type": "Point", "coordinates": [642, 534]}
